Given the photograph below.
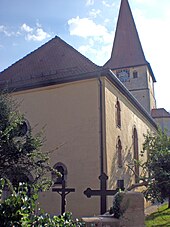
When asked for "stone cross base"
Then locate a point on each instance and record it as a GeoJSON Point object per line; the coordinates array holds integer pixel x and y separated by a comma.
{"type": "Point", "coordinates": [101, 222]}
{"type": "Point", "coordinates": [133, 204]}
{"type": "Point", "coordinates": [134, 215]}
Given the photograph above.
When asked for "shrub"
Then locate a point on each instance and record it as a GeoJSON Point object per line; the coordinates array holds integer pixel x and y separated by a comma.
{"type": "Point", "coordinates": [18, 210]}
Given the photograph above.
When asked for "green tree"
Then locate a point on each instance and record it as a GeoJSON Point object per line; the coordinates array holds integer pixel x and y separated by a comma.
{"type": "Point", "coordinates": [155, 172]}
{"type": "Point", "coordinates": [157, 147]}
{"type": "Point", "coordinates": [20, 151]}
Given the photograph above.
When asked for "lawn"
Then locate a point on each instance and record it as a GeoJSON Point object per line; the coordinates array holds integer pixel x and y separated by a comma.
{"type": "Point", "coordinates": [161, 218]}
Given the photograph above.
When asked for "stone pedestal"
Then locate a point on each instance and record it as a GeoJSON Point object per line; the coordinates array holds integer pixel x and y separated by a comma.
{"type": "Point", "coordinates": [101, 222]}
{"type": "Point", "coordinates": [134, 216]}
{"type": "Point", "coordinates": [132, 203]}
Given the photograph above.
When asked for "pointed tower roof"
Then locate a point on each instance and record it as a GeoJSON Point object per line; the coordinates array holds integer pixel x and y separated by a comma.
{"type": "Point", "coordinates": [127, 49]}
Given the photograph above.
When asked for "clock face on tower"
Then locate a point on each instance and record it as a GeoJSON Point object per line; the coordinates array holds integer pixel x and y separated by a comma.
{"type": "Point", "coordinates": [123, 75]}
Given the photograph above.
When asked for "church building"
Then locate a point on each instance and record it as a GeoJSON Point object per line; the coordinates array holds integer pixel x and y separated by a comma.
{"type": "Point", "coordinates": [95, 115]}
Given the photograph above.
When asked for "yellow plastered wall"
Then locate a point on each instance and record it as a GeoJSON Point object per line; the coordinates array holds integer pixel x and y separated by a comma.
{"type": "Point", "coordinates": [69, 114]}
{"type": "Point", "coordinates": [130, 118]}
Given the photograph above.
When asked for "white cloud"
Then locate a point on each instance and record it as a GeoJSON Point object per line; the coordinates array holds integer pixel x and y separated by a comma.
{"type": "Point", "coordinates": [106, 20]}
{"type": "Point", "coordinates": [34, 34]}
{"type": "Point", "coordinates": [107, 4]}
{"type": "Point", "coordinates": [98, 55]}
{"type": "Point", "coordinates": [89, 2]}
{"type": "Point", "coordinates": [26, 28]}
{"type": "Point", "coordinates": [38, 24]}
{"type": "Point", "coordinates": [30, 33]}
{"type": "Point", "coordinates": [94, 13]}
{"type": "Point", "coordinates": [91, 42]}
{"type": "Point", "coordinates": [99, 39]}
{"type": "Point", "coordinates": [4, 30]}
{"type": "Point", "coordinates": [85, 27]}
{"type": "Point", "coordinates": [38, 35]}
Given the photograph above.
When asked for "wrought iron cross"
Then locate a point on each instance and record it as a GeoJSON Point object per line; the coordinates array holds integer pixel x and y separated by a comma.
{"type": "Point", "coordinates": [63, 191]}
{"type": "Point", "coordinates": [103, 192]}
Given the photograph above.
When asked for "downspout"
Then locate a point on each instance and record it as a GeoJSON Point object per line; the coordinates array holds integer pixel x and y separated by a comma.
{"type": "Point", "coordinates": [101, 127]}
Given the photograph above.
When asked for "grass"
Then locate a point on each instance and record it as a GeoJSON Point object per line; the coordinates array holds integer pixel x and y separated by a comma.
{"type": "Point", "coordinates": [161, 218]}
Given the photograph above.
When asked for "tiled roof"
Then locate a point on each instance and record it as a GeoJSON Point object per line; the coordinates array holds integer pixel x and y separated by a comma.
{"type": "Point", "coordinates": [55, 59]}
{"type": "Point", "coordinates": [160, 113]}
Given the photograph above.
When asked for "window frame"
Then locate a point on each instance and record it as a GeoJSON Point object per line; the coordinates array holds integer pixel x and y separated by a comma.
{"type": "Point", "coordinates": [58, 180]}
{"type": "Point", "coordinates": [119, 152]}
{"type": "Point", "coordinates": [135, 74]}
{"type": "Point", "coordinates": [118, 114]}
{"type": "Point", "coordinates": [136, 154]}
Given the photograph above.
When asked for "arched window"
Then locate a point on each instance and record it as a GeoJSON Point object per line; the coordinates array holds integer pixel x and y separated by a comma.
{"type": "Point", "coordinates": [61, 168]}
{"type": "Point", "coordinates": [135, 74]}
{"type": "Point", "coordinates": [24, 127]}
{"type": "Point", "coordinates": [118, 114]}
{"type": "Point", "coordinates": [119, 153]}
{"type": "Point", "coordinates": [136, 154]}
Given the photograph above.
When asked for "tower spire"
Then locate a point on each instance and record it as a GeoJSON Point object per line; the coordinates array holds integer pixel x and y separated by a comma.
{"type": "Point", "coordinates": [128, 61]}
{"type": "Point", "coordinates": [127, 49]}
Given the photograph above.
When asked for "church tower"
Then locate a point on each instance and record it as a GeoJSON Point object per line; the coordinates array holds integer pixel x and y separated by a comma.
{"type": "Point", "coordinates": [128, 61]}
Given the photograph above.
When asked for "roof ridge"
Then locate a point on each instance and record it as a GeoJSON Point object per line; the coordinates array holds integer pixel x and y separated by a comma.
{"type": "Point", "coordinates": [27, 55]}
{"type": "Point", "coordinates": [69, 45]}
{"type": "Point", "coordinates": [40, 47]}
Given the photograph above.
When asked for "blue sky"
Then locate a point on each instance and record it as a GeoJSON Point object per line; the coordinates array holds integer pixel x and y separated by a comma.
{"type": "Point", "coordinates": [89, 26]}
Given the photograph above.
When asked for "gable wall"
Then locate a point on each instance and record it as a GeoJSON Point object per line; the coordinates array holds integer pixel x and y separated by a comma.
{"type": "Point", "coordinates": [70, 114]}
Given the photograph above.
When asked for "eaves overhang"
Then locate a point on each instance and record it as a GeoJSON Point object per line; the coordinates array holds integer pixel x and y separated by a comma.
{"type": "Point", "coordinates": [151, 72]}
{"type": "Point", "coordinates": [16, 87]}
{"type": "Point", "coordinates": [131, 66]}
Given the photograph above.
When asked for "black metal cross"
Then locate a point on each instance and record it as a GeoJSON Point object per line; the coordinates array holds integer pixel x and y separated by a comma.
{"type": "Point", "coordinates": [63, 191]}
{"type": "Point", "coordinates": [103, 192]}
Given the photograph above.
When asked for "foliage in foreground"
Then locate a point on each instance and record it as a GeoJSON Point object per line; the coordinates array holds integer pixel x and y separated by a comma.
{"type": "Point", "coordinates": [117, 210]}
{"type": "Point", "coordinates": [161, 218]}
{"type": "Point", "coordinates": [20, 151]}
{"type": "Point", "coordinates": [155, 174]}
{"type": "Point", "coordinates": [158, 166]}
{"type": "Point", "coordinates": [19, 210]}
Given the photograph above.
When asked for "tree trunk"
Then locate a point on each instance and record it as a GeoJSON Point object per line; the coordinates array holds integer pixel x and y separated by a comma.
{"type": "Point", "coordinates": [169, 202]}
